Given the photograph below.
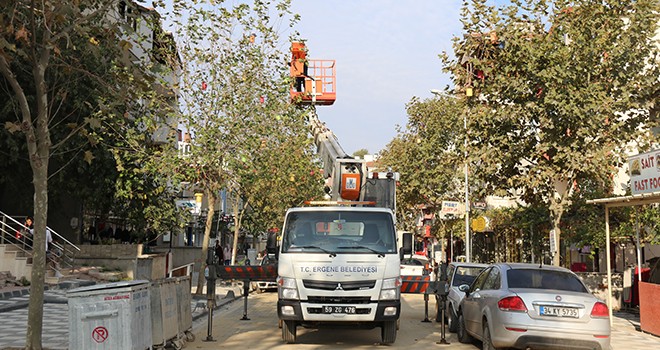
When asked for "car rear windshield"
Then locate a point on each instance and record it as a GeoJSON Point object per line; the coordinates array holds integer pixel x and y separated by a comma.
{"type": "Point", "coordinates": [411, 261]}
{"type": "Point", "coordinates": [544, 279]}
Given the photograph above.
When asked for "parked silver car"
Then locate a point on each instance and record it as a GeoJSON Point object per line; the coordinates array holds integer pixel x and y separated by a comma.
{"type": "Point", "coordinates": [458, 273]}
{"type": "Point", "coordinates": [531, 306]}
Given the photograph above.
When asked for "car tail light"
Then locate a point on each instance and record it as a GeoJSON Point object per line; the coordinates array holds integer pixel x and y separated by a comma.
{"type": "Point", "coordinates": [600, 310]}
{"type": "Point", "coordinates": [512, 304]}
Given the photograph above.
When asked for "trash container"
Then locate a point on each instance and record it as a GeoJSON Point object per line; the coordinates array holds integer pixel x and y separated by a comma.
{"type": "Point", "coordinates": [184, 303]}
{"type": "Point", "coordinates": [164, 310]}
{"type": "Point", "coordinates": [110, 316]}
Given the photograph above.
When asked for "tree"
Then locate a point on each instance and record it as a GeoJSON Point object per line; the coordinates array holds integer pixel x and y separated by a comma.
{"type": "Point", "coordinates": [428, 156]}
{"type": "Point", "coordinates": [235, 95]}
{"type": "Point", "coordinates": [561, 88]}
{"type": "Point", "coordinates": [283, 176]}
{"type": "Point", "coordinates": [361, 153]}
{"type": "Point", "coordinates": [65, 63]}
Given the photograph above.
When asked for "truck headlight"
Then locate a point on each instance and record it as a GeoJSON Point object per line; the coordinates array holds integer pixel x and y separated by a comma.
{"type": "Point", "coordinates": [286, 288]}
{"type": "Point", "coordinates": [391, 289]}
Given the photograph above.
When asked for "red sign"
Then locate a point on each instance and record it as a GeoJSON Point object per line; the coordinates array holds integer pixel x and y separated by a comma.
{"type": "Point", "coordinates": [100, 334]}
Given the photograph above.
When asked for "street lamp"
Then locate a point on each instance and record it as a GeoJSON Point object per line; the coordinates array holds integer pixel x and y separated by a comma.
{"type": "Point", "coordinates": [465, 170]}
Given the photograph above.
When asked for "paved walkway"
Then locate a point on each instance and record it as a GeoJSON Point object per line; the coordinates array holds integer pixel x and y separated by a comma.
{"type": "Point", "coordinates": [626, 334]}
{"type": "Point", "coordinates": [55, 334]}
{"type": "Point", "coordinates": [262, 332]}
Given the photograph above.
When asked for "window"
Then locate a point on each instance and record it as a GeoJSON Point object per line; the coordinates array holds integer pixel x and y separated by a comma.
{"type": "Point", "coordinates": [126, 13]}
{"type": "Point", "coordinates": [465, 275]}
{"type": "Point", "coordinates": [339, 232]}
{"type": "Point", "coordinates": [122, 9]}
{"type": "Point", "coordinates": [412, 261]}
{"type": "Point", "coordinates": [544, 279]}
{"type": "Point", "coordinates": [450, 273]}
{"type": "Point", "coordinates": [478, 283]}
{"type": "Point", "coordinates": [493, 280]}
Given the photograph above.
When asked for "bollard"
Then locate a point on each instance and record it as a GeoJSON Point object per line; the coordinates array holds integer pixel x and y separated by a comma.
{"type": "Point", "coordinates": [210, 275]}
{"type": "Point", "coordinates": [426, 307]}
{"type": "Point", "coordinates": [246, 291]}
{"type": "Point", "coordinates": [441, 294]}
{"type": "Point", "coordinates": [443, 341]}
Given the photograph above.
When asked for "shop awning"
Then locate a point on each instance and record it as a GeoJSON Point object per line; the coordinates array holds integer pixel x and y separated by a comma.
{"type": "Point", "coordinates": [613, 202]}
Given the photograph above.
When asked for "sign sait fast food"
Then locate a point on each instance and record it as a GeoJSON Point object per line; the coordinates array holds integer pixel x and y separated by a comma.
{"type": "Point", "coordinates": [644, 171]}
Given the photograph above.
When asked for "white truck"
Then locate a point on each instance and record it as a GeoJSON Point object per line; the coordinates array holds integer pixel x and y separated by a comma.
{"type": "Point", "coordinates": [339, 267]}
{"type": "Point", "coordinates": [338, 260]}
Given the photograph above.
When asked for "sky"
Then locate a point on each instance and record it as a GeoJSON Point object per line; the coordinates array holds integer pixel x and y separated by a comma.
{"type": "Point", "coordinates": [386, 52]}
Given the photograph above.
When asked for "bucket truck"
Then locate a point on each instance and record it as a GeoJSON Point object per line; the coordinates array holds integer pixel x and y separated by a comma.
{"type": "Point", "coordinates": [338, 260]}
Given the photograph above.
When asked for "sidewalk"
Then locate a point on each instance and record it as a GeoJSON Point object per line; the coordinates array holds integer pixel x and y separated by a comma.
{"type": "Point", "coordinates": [627, 334]}
{"type": "Point", "coordinates": [55, 335]}
{"type": "Point", "coordinates": [262, 332]}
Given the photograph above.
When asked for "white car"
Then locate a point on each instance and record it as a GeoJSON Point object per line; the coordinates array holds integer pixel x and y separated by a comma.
{"type": "Point", "coordinates": [458, 273]}
{"type": "Point", "coordinates": [261, 286]}
{"type": "Point", "coordinates": [415, 266]}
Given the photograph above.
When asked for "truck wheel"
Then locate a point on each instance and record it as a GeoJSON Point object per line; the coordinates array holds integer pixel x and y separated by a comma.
{"type": "Point", "coordinates": [289, 332]}
{"type": "Point", "coordinates": [452, 322]}
{"type": "Point", "coordinates": [461, 332]}
{"type": "Point", "coordinates": [388, 332]}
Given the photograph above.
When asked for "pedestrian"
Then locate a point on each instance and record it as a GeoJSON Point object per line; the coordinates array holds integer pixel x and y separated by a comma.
{"type": "Point", "coordinates": [27, 233]}
{"type": "Point", "coordinates": [226, 253]}
{"type": "Point", "coordinates": [219, 252]}
{"type": "Point", "coordinates": [49, 239]}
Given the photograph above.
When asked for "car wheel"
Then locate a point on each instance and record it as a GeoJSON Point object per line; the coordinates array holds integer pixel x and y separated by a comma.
{"type": "Point", "coordinates": [461, 332]}
{"type": "Point", "coordinates": [452, 321]}
{"type": "Point", "coordinates": [388, 332]}
{"type": "Point", "coordinates": [487, 343]}
{"type": "Point", "coordinates": [289, 332]}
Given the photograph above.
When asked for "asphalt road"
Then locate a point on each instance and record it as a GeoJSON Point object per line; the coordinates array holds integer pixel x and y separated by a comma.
{"type": "Point", "coordinates": [262, 332]}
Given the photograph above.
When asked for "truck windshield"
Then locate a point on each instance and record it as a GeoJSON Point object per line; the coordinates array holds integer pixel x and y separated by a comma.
{"type": "Point", "coordinates": [339, 232]}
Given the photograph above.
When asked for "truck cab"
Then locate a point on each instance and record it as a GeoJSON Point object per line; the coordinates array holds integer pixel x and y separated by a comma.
{"type": "Point", "coordinates": [338, 266]}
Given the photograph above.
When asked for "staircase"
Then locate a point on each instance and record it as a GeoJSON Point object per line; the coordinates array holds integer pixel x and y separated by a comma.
{"type": "Point", "coordinates": [16, 252]}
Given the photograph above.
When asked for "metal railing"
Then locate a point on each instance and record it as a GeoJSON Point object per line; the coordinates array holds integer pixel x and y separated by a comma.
{"type": "Point", "coordinates": [61, 252]}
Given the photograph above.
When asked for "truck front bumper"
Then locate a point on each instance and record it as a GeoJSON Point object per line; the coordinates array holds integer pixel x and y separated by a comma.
{"type": "Point", "coordinates": [296, 310]}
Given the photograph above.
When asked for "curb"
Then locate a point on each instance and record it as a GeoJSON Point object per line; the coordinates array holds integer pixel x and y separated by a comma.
{"type": "Point", "coordinates": [14, 293]}
{"type": "Point", "coordinates": [15, 306]}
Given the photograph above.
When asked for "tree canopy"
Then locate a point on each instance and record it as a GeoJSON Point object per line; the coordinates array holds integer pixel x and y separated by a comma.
{"type": "Point", "coordinates": [561, 89]}
{"type": "Point", "coordinates": [246, 137]}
